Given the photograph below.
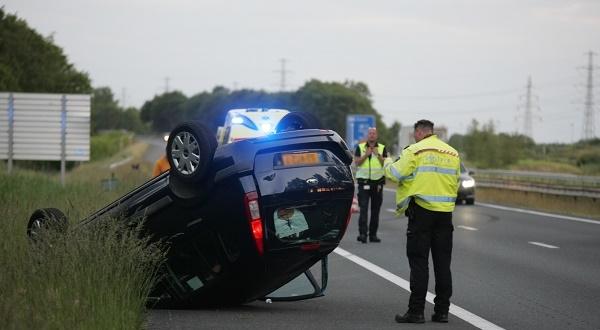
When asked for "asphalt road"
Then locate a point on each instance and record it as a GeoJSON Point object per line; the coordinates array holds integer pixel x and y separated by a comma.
{"type": "Point", "coordinates": [511, 270]}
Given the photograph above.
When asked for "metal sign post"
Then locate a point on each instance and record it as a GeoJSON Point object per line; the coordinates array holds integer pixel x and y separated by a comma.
{"type": "Point", "coordinates": [63, 138]}
{"type": "Point", "coordinates": [11, 120]}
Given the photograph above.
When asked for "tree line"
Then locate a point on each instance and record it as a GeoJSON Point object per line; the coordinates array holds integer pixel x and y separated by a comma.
{"type": "Point", "coordinates": [329, 101]}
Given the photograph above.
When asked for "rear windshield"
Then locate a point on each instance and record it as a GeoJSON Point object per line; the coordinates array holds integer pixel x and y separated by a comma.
{"type": "Point", "coordinates": [294, 224]}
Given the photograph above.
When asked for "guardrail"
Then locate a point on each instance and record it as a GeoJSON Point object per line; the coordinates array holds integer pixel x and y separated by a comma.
{"type": "Point", "coordinates": [541, 182]}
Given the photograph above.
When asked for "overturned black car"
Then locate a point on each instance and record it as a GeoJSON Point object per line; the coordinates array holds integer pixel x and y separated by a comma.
{"type": "Point", "coordinates": [243, 219]}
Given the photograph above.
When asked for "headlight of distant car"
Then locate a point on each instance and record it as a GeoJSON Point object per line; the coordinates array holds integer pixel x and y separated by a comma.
{"type": "Point", "coordinates": [166, 137]}
{"type": "Point", "coordinates": [468, 183]}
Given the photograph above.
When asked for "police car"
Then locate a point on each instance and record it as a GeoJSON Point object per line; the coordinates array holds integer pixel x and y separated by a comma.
{"type": "Point", "coordinates": [245, 220]}
{"type": "Point", "coordinates": [249, 123]}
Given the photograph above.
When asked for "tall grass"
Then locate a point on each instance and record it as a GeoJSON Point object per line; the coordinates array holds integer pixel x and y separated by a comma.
{"type": "Point", "coordinates": [96, 277]}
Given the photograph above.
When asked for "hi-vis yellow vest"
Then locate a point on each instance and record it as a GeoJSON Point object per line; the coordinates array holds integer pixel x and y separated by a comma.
{"type": "Point", "coordinates": [370, 169]}
{"type": "Point", "coordinates": [427, 171]}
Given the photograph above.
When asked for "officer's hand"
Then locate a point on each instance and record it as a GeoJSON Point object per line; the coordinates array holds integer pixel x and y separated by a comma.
{"type": "Point", "coordinates": [375, 151]}
{"type": "Point", "coordinates": [369, 151]}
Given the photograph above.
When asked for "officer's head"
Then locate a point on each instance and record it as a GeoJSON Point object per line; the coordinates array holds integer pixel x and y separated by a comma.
{"type": "Point", "coordinates": [372, 134]}
{"type": "Point", "coordinates": [423, 129]}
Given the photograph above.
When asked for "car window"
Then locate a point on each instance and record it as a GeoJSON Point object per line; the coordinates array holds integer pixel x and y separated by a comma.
{"type": "Point", "coordinates": [289, 223]}
{"type": "Point", "coordinates": [305, 223]}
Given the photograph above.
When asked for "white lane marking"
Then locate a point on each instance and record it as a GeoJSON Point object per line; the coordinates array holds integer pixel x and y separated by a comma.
{"type": "Point", "coordinates": [117, 164]}
{"type": "Point", "coordinates": [551, 215]}
{"type": "Point", "coordinates": [404, 284]}
{"type": "Point", "coordinates": [558, 216]}
{"type": "Point", "coordinates": [544, 245]}
{"type": "Point", "coordinates": [467, 227]}
{"type": "Point", "coordinates": [391, 210]}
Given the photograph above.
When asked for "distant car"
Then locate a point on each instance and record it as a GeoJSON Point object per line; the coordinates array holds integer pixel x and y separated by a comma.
{"type": "Point", "coordinates": [242, 219]}
{"type": "Point", "coordinates": [466, 186]}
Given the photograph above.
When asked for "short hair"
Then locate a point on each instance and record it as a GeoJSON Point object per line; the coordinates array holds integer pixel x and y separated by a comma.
{"type": "Point", "coordinates": [424, 124]}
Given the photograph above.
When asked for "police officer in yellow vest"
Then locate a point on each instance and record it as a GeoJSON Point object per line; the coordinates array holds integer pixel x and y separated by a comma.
{"type": "Point", "coordinates": [369, 158]}
{"type": "Point", "coordinates": [427, 173]}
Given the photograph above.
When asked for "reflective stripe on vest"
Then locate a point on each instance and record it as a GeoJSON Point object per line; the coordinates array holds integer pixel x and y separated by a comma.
{"type": "Point", "coordinates": [432, 180]}
{"type": "Point", "coordinates": [370, 169]}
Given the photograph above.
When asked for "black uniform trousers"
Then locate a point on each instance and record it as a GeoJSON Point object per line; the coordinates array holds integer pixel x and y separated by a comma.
{"type": "Point", "coordinates": [374, 192]}
{"type": "Point", "coordinates": [429, 230]}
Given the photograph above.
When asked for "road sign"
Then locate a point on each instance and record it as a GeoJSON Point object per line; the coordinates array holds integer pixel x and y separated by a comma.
{"type": "Point", "coordinates": [357, 128]}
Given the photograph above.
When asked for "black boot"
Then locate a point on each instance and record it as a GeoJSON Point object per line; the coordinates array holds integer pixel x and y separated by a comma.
{"type": "Point", "coordinates": [410, 318]}
{"type": "Point", "coordinates": [362, 238]}
{"type": "Point", "coordinates": [440, 317]}
{"type": "Point", "coordinates": [374, 239]}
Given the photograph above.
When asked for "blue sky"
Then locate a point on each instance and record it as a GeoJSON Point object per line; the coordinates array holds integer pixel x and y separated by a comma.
{"type": "Point", "coordinates": [448, 61]}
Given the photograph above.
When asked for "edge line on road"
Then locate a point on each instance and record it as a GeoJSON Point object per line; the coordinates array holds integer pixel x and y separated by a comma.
{"type": "Point", "coordinates": [544, 245]}
{"type": "Point", "coordinates": [514, 209]}
{"type": "Point", "coordinates": [459, 312]}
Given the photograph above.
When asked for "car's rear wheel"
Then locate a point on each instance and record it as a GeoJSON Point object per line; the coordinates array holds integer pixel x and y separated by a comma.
{"type": "Point", "coordinates": [298, 120]}
{"type": "Point", "coordinates": [44, 219]}
{"type": "Point", "coordinates": [470, 201]}
{"type": "Point", "coordinates": [190, 150]}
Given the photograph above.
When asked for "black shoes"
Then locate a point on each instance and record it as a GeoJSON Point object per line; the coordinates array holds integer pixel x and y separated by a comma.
{"type": "Point", "coordinates": [374, 239]}
{"type": "Point", "coordinates": [362, 238]}
{"type": "Point", "coordinates": [410, 318]}
{"type": "Point", "coordinates": [440, 317]}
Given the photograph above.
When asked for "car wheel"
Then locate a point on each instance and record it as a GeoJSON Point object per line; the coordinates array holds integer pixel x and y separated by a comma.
{"type": "Point", "coordinates": [470, 201]}
{"type": "Point", "coordinates": [43, 219]}
{"type": "Point", "coordinates": [298, 120]}
{"type": "Point", "coordinates": [190, 151]}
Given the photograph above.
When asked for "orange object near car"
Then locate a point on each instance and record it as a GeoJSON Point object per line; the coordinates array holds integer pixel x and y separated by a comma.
{"type": "Point", "coordinates": [161, 166]}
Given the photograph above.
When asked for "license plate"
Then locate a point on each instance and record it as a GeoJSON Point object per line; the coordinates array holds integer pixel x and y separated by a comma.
{"type": "Point", "coordinates": [304, 158]}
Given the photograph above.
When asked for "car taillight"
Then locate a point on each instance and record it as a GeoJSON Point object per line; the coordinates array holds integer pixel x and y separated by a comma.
{"type": "Point", "coordinates": [253, 215]}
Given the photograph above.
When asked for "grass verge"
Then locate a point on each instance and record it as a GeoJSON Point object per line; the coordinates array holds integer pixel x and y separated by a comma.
{"type": "Point", "coordinates": [574, 206]}
{"type": "Point", "coordinates": [96, 278]}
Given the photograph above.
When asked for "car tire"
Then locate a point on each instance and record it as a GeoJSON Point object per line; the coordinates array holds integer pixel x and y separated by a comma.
{"type": "Point", "coordinates": [190, 151]}
{"type": "Point", "coordinates": [470, 201]}
{"type": "Point", "coordinates": [298, 120]}
{"type": "Point", "coordinates": [43, 219]}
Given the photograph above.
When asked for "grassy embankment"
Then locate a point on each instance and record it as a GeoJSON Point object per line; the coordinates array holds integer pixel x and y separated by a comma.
{"type": "Point", "coordinates": [582, 158]}
{"type": "Point", "coordinates": [92, 279]}
{"type": "Point", "coordinates": [574, 206]}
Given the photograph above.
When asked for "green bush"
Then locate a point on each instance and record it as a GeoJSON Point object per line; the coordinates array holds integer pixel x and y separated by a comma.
{"type": "Point", "coordinates": [108, 143]}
